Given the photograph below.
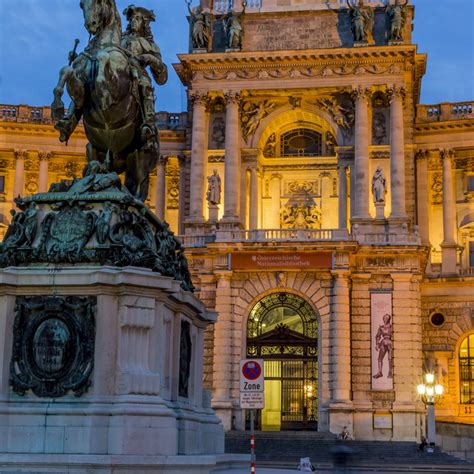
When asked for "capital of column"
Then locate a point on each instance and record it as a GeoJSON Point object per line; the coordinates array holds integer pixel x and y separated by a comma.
{"type": "Point", "coordinates": [44, 155]}
{"type": "Point", "coordinates": [396, 92]}
{"type": "Point", "coordinates": [232, 97]}
{"type": "Point", "coordinates": [361, 93]}
{"type": "Point", "coordinates": [162, 160]}
{"type": "Point", "coordinates": [446, 154]}
{"type": "Point", "coordinates": [199, 98]}
{"type": "Point", "coordinates": [421, 155]}
{"type": "Point", "coordinates": [20, 154]}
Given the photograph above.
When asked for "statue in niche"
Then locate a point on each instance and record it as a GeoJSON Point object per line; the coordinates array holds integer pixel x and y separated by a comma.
{"type": "Point", "coordinates": [269, 150]}
{"type": "Point", "coordinates": [330, 144]}
{"type": "Point", "coordinates": [214, 186]}
{"type": "Point", "coordinates": [383, 345]}
{"type": "Point", "coordinates": [218, 131]}
{"type": "Point", "coordinates": [185, 351]}
{"type": "Point", "coordinates": [398, 17]}
{"type": "Point", "coordinates": [233, 28]}
{"type": "Point", "coordinates": [201, 25]}
{"type": "Point", "coordinates": [362, 20]}
{"type": "Point", "coordinates": [379, 185]}
{"type": "Point", "coordinates": [379, 129]}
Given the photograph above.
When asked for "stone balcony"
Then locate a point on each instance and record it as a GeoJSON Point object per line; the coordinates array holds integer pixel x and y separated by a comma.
{"type": "Point", "coordinates": [445, 112]}
{"type": "Point", "coordinates": [300, 236]}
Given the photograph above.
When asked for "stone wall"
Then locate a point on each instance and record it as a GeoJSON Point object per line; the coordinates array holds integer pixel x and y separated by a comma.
{"type": "Point", "coordinates": [456, 439]}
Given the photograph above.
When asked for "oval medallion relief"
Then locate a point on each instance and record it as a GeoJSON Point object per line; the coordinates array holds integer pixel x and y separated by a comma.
{"type": "Point", "coordinates": [50, 345]}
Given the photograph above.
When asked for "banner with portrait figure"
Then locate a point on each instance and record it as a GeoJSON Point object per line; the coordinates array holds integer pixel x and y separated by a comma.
{"type": "Point", "coordinates": [381, 340]}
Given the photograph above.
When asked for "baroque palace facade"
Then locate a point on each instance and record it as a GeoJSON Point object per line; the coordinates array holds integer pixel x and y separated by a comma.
{"type": "Point", "coordinates": [327, 215]}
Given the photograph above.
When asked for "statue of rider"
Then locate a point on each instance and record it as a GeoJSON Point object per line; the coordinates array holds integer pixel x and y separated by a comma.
{"type": "Point", "coordinates": [138, 41]}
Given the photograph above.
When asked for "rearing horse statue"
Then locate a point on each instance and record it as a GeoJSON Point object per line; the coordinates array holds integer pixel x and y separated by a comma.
{"type": "Point", "coordinates": [110, 88]}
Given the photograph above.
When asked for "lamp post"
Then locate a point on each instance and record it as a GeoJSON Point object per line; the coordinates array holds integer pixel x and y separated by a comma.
{"type": "Point", "coordinates": [429, 392]}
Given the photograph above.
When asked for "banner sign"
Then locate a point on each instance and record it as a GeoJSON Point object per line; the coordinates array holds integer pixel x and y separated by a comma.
{"type": "Point", "coordinates": [280, 260]}
{"type": "Point", "coordinates": [382, 340]}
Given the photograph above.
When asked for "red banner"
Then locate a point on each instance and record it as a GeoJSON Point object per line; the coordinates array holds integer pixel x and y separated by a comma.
{"type": "Point", "coordinates": [280, 260]}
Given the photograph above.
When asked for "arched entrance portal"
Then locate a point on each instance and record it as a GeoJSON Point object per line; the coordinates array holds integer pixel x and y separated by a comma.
{"type": "Point", "coordinates": [282, 329]}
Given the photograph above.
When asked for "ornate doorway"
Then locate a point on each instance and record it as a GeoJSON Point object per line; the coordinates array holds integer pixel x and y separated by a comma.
{"type": "Point", "coordinates": [282, 329]}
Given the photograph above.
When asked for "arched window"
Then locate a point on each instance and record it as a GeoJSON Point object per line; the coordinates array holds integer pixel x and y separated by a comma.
{"type": "Point", "coordinates": [301, 142]}
{"type": "Point", "coordinates": [466, 369]}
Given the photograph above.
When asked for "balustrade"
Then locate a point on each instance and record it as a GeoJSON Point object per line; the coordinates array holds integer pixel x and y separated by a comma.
{"type": "Point", "coordinates": [445, 111]}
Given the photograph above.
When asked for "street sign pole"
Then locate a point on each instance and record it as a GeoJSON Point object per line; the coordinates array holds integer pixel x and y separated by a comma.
{"type": "Point", "coordinates": [252, 396]}
{"type": "Point", "coordinates": [252, 442]}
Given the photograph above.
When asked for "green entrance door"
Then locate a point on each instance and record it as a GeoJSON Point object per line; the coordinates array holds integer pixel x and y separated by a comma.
{"type": "Point", "coordinates": [282, 329]}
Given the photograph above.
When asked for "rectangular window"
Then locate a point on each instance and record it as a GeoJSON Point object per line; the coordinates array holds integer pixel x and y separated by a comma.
{"type": "Point", "coordinates": [471, 254]}
{"type": "Point", "coordinates": [2, 184]}
{"type": "Point", "coordinates": [470, 183]}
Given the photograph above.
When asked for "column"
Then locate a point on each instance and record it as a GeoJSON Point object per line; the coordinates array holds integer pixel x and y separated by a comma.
{"type": "Point", "coordinates": [222, 373]}
{"type": "Point", "coordinates": [232, 158]}
{"type": "Point", "coordinates": [342, 169]}
{"type": "Point", "coordinates": [44, 158]}
{"type": "Point", "coordinates": [340, 336]}
{"type": "Point", "coordinates": [20, 156]}
{"type": "Point", "coordinates": [253, 199]}
{"type": "Point", "coordinates": [160, 190]}
{"type": "Point", "coordinates": [198, 156]}
{"type": "Point", "coordinates": [448, 246]}
{"type": "Point", "coordinates": [422, 194]}
{"type": "Point", "coordinates": [182, 195]}
{"type": "Point", "coordinates": [396, 95]}
{"type": "Point", "coordinates": [361, 152]}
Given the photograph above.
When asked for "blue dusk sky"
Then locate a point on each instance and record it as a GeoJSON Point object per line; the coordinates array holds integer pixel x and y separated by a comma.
{"type": "Point", "coordinates": [36, 35]}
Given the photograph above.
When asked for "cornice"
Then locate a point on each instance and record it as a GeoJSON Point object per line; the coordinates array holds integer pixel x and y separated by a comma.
{"type": "Point", "coordinates": [311, 55]}
{"type": "Point", "coordinates": [13, 128]}
{"type": "Point", "coordinates": [461, 125]}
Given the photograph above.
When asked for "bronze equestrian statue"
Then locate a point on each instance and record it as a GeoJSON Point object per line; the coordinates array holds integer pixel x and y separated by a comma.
{"type": "Point", "coordinates": [111, 90]}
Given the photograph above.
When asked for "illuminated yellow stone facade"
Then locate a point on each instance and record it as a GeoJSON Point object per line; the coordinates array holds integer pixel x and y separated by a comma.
{"type": "Point", "coordinates": [299, 128]}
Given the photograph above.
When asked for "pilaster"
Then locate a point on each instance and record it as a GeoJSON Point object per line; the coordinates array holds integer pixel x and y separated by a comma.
{"type": "Point", "coordinates": [448, 246]}
{"type": "Point", "coordinates": [221, 380]}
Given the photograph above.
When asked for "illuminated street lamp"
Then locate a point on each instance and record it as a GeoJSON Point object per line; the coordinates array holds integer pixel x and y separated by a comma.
{"type": "Point", "coordinates": [429, 392]}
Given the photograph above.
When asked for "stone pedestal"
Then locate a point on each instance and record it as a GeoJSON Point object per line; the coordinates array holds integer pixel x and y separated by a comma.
{"type": "Point", "coordinates": [213, 213]}
{"type": "Point", "coordinates": [140, 404]}
{"type": "Point", "coordinates": [379, 210]}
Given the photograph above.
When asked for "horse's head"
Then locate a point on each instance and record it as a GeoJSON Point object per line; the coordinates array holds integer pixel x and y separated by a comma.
{"type": "Point", "coordinates": [98, 14]}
